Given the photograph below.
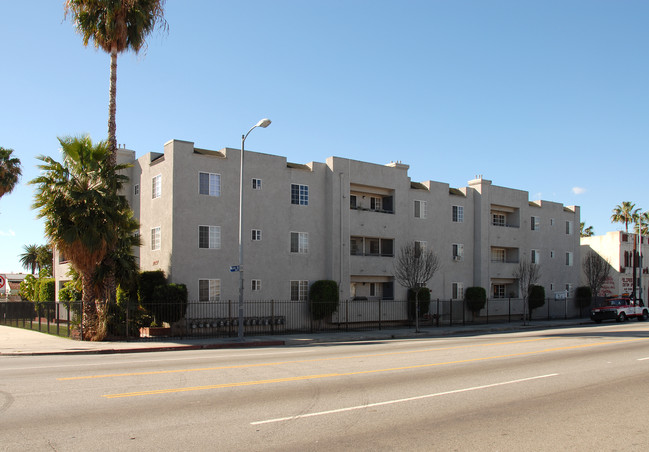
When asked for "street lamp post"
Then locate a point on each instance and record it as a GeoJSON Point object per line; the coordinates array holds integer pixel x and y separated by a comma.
{"type": "Point", "coordinates": [263, 123]}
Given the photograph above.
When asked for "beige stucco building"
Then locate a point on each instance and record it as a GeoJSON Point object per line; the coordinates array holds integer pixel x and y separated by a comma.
{"type": "Point", "coordinates": [343, 220]}
{"type": "Point", "coordinates": [616, 247]}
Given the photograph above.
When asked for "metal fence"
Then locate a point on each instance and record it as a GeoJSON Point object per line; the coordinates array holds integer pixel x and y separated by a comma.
{"type": "Point", "coordinates": [269, 317]}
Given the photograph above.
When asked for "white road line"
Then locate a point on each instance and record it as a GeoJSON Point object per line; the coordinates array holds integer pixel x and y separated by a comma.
{"type": "Point", "coordinates": [643, 359]}
{"type": "Point", "coordinates": [408, 399]}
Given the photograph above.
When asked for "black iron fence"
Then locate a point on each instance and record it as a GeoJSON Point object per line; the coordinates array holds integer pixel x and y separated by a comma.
{"type": "Point", "coordinates": [268, 317]}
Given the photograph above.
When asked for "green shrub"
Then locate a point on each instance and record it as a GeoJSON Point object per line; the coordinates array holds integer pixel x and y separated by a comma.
{"type": "Point", "coordinates": [69, 292]}
{"type": "Point", "coordinates": [424, 301]}
{"type": "Point", "coordinates": [146, 284]}
{"type": "Point", "coordinates": [476, 298]}
{"type": "Point", "coordinates": [28, 288]}
{"type": "Point", "coordinates": [323, 299]}
{"type": "Point", "coordinates": [583, 296]}
{"type": "Point", "coordinates": [170, 303]}
{"type": "Point", "coordinates": [536, 297]}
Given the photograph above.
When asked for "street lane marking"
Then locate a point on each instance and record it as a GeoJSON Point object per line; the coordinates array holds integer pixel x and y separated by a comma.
{"type": "Point", "coordinates": [360, 372]}
{"type": "Point", "coordinates": [642, 359]}
{"type": "Point", "coordinates": [299, 361]}
{"type": "Point", "coordinates": [407, 399]}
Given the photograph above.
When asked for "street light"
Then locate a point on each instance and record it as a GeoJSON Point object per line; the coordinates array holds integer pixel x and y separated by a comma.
{"type": "Point", "coordinates": [263, 123]}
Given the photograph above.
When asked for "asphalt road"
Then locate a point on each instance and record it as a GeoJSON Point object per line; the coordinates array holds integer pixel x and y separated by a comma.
{"type": "Point", "coordinates": [583, 388]}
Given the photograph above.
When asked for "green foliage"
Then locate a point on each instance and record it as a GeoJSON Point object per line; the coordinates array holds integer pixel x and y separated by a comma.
{"type": "Point", "coordinates": [46, 289]}
{"type": "Point", "coordinates": [146, 284]}
{"type": "Point", "coordinates": [537, 297]}
{"type": "Point", "coordinates": [476, 298]}
{"type": "Point", "coordinates": [423, 293]}
{"type": "Point", "coordinates": [10, 171]}
{"type": "Point", "coordinates": [28, 288]}
{"type": "Point", "coordinates": [323, 299]}
{"type": "Point", "coordinates": [583, 296]}
{"type": "Point", "coordinates": [171, 303]}
{"type": "Point", "coordinates": [69, 292]}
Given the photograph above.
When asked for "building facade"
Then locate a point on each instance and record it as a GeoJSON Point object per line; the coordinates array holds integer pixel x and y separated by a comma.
{"type": "Point", "coordinates": [617, 248]}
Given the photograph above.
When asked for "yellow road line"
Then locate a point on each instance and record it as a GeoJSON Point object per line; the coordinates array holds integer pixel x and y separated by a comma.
{"type": "Point", "coordinates": [360, 372]}
{"type": "Point", "coordinates": [242, 366]}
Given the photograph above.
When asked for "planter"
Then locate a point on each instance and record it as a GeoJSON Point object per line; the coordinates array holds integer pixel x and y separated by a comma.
{"type": "Point", "coordinates": [155, 331]}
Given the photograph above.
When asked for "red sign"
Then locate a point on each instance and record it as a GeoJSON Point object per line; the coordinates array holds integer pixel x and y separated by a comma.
{"type": "Point", "coordinates": [3, 281]}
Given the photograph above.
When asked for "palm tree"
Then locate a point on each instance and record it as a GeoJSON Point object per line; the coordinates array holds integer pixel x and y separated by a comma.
{"type": "Point", "coordinates": [29, 259]}
{"type": "Point", "coordinates": [116, 26]}
{"type": "Point", "coordinates": [585, 231]}
{"type": "Point", "coordinates": [10, 171]}
{"type": "Point", "coordinates": [641, 226]}
{"type": "Point", "coordinates": [45, 258]}
{"type": "Point", "coordinates": [84, 215]}
{"type": "Point", "coordinates": [625, 213]}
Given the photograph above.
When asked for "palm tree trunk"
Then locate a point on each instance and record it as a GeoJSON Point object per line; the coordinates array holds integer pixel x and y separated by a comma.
{"type": "Point", "coordinates": [89, 313]}
{"type": "Point", "coordinates": [112, 107]}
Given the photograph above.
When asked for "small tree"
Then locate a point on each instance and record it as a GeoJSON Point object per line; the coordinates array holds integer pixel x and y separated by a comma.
{"type": "Point", "coordinates": [476, 298]}
{"type": "Point", "coordinates": [527, 274]}
{"type": "Point", "coordinates": [414, 267]}
{"type": "Point", "coordinates": [420, 297]}
{"type": "Point", "coordinates": [323, 299]}
{"type": "Point", "coordinates": [597, 270]}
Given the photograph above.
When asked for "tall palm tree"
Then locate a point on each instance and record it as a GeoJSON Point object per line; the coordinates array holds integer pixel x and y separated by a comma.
{"type": "Point", "coordinates": [641, 226]}
{"type": "Point", "coordinates": [115, 26]}
{"type": "Point", "coordinates": [10, 171]}
{"type": "Point", "coordinates": [585, 231]}
{"type": "Point", "coordinates": [84, 215]}
{"type": "Point", "coordinates": [29, 259]}
{"type": "Point", "coordinates": [625, 213]}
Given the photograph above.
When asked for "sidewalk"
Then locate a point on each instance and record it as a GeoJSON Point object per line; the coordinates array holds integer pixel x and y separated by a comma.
{"type": "Point", "coordinates": [22, 342]}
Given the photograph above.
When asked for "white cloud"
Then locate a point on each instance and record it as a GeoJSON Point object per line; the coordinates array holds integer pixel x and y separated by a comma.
{"type": "Point", "coordinates": [578, 190]}
{"type": "Point", "coordinates": [9, 233]}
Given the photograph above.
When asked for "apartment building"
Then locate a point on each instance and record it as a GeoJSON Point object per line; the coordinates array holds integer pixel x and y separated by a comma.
{"type": "Point", "coordinates": [343, 220]}
{"type": "Point", "coordinates": [617, 248]}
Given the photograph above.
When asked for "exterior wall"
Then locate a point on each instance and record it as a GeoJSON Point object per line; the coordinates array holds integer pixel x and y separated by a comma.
{"type": "Point", "coordinates": [613, 246]}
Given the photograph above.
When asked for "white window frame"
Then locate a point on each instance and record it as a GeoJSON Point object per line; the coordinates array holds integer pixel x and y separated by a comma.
{"type": "Point", "coordinates": [256, 184]}
{"type": "Point", "coordinates": [255, 235]}
{"type": "Point", "coordinates": [213, 184]}
{"type": "Point", "coordinates": [498, 255]}
{"type": "Point", "coordinates": [156, 186]}
{"type": "Point", "coordinates": [213, 237]}
{"type": "Point", "coordinates": [301, 193]}
{"type": "Point", "coordinates": [302, 242]}
{"type": "Point", "coordinates": [457, 291]}
{"type": "Point", "coordinates": [299, 290]}
{"type": "Point", "coordinates": [569, 258]}
{"type": "Point", "coordinates": [213, 290]}
{"type": "Point", "coordinates": [457, 214]}
{"type": "Point", "coordinates": [458, 251]}
{"type": "Point", "coordinates": [420, 209]}
{"type": "Point", "coordinates": [535, 223]}
{"type": "Point", "coordinates": [551, 254]}
{"type": "Point", "coordinates": [497, 292]}
{"type": "Point", "coordinates": [498, 219]}
{"type": "Point", "coordinates": [255, 285]}
{"type": "Point", "coordinates": [535, 256]}
{"type": "Point", "coordinates": [156, 238]}
{"type": "Point", "coordinates": [420, 247]}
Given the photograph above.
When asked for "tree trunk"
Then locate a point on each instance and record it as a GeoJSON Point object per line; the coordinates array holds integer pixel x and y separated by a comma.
{"type": "Point", "coordinates": [89, 313]}
{"type": "Point", "coordinates": [112, 107]}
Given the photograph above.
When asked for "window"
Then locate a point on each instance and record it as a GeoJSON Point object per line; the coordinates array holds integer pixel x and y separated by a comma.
{"type": "Point", "coordinates": [300, 194]}
{"type": "Point", "coordinates": [374, 246]}
{"type": "Point", "coordinates": [498, 219]}
{"type": "Point", "coordinates": [299, 290]}
{"type": "Point", "coordinates": [209, 184]}
{"type": "Point", "coordinates": [209, 289]}
{"type": "Point", "coordinates": [569, 227]}
{"type": "Point", "coordinates": [552, 254]}
{"type": "Point", "coordinates": [299, 242]}
{"type": "Point", "coordinates": [375, 203]}
{"type": "Point", "coordinates": [458, 214]}
{"type": "Point", "coordinates": [568, 288]}
{"type": "Point", "coordinates": [535, 256]}
{"type": "Point", "coordinates": [352, 201]}
{"type": "Point", "coordinates": [256, 235]}
{"type": "Point", "coordinates": [497, 254]}
{"type": "Point", "coordinates": [155, 238]}
{"type": "Point", "coordinates": [255, 285]}
{"type": "Point", "coordinates": [535, 222]}
{"type": "Point", "coordinates": [569, 258]}
{"type": "Point", "coordinates": [420, 247]}
{"type": "Point", "coordinates": [209, 237]}
{"type": "Point", "coordinates": [458, 251]}
{"type": "Point", "coordinates": [156, 186]}
{"type": "Point", "coordinates": [552, 286]}
{"type": "Point", "coordinates": [256, 184]}
{"type": "Point", "coordinates": [499, 291]}
{"type": "Point", "coordinates": [420, 209]}
{"type": "Point", "coordinates": [136, 189]}
{"type": "Point", "coordinates": [457, 291]}
{"type": "Point", "coordinates": [356, 246]}
{"type": "Point", "coordinates": [551, 221]}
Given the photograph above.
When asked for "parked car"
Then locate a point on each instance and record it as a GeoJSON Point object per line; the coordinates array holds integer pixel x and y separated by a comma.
{"type": "Point", "coordinates": [620, 309]}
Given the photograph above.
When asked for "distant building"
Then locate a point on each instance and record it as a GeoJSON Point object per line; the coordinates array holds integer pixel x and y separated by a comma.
{"type": "Point", "coordinates": [616, 247]}
{"type": "Point", "coordinates": [343, 220]}
{"type": "Point", "coordinates": [10, 286]}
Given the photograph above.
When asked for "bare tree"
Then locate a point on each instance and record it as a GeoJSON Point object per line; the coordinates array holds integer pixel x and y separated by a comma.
{"type": "Point", "coordinates": [413, 268]}
{"type": "Point", "coordinates": [527, 274]}
{"type": "Point", "coordinates": [597, 270]}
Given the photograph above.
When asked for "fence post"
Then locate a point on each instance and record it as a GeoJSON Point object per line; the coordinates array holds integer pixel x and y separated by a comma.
{"type": "Point", "coordinates": [464, 312]}
{"type": "Point", "coordinates": [548, 301]}
{"type": "Point", "coordinates": [487, 304]}
{"type": "Point", "coordinates": [380, 313]}
{"type": "Point", "coordinates": [56, 313]}
{"type": "Point", "coordinates": [272, 316]}
{"type": "Point", "coordinates": [451, 309]}
{"type": "Point", "coordinates": [509, 313]}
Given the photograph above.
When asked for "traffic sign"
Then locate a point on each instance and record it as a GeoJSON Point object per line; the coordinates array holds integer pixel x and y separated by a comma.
{"type": "Point", "coordinates": [234, 268]}
{"type": "Point", "coordinates": [3, 281]}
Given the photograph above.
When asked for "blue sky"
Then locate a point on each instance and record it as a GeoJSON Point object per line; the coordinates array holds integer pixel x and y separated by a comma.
{"type": "Point", "coordinates": [550, 97]}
